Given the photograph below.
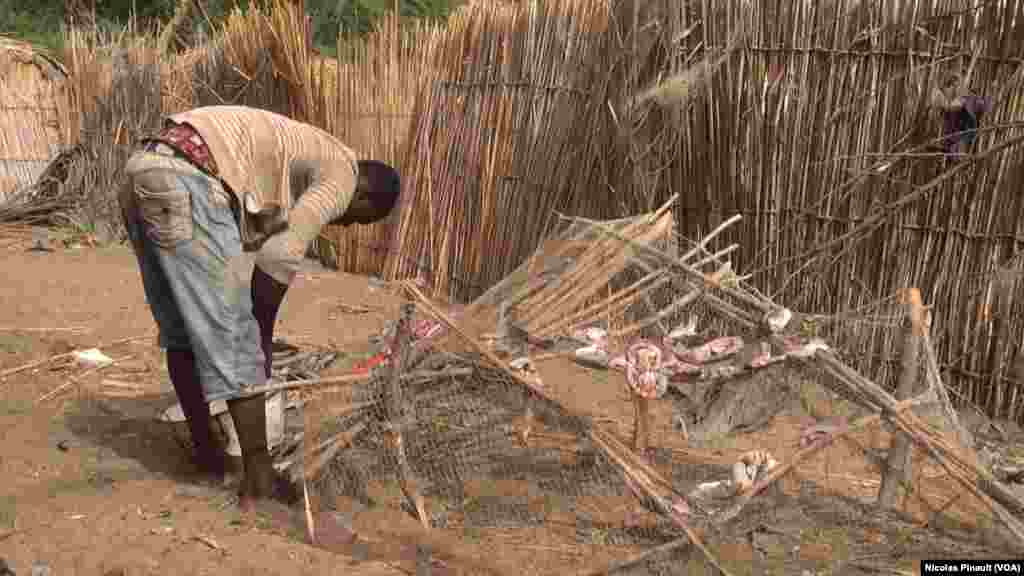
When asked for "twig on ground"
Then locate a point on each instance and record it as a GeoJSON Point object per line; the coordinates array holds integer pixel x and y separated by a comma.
{"type": "Point", "coordinates": [78, 379]}
{"type": "Point", "coordinates": [354, 379]}
{"type": "Point", "coordinates": [355, 308]}
{"type": "Point", "coordinates": [38, 363]}
{"type": "Point", "coordinates": [210, 542]}
{"type": "Point", "coordinates": [63, 329]}
{"type": "Point", "coordinates": [639, 558]}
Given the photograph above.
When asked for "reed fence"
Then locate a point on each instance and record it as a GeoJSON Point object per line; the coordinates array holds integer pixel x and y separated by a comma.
{"type": "Point", "coordinates": [808, 118]}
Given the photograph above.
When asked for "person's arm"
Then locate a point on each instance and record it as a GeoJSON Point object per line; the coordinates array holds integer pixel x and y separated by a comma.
{"type": "Point", "coordinates": [281, 255]}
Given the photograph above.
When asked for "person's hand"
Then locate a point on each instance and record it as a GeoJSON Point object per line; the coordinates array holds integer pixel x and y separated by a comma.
{"type": "Point", "coordinates": [280, 256]}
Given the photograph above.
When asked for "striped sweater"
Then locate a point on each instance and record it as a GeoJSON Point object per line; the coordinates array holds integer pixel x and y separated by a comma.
{"type": "Point", "coordinates": [271, 162]}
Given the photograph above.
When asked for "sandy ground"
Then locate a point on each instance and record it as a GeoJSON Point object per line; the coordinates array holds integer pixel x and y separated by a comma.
{"type": "Point", "coordinates": [92, 485]}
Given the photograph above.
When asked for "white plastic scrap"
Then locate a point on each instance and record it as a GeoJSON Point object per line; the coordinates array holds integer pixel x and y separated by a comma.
{"type": "Point", "coordinates": [92, 357]}
{"type": "Point", "coordinates": [644, 374]}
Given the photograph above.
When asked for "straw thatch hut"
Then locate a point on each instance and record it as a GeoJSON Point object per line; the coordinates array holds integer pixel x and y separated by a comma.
{"type": "Point", "coordinates": [33, 113]}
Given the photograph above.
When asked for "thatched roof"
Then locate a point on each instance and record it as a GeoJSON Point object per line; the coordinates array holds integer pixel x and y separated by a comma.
{"type": "Point", "coordinates": [32, 111]}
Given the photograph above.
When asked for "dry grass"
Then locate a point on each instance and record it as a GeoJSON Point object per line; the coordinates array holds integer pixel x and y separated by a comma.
{"type": "Point", "coordinates": [33, 113]}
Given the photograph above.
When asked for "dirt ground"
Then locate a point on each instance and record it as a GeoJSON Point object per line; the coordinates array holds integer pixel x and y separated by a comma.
{"type": "Point", "coordinates": [93, 485]}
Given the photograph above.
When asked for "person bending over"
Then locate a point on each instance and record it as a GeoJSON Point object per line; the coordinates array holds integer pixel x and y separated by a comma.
{"type": "Point", "coordinates": [221, 206]}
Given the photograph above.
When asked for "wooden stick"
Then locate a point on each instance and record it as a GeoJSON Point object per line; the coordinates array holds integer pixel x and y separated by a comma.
{"type": "Point", "coordinates": [898, 464]}
{"type": "Point", "coordinates": [310, 528]}
{"type": "Point", "coordinates": [396, 413]}
{"type": "Point", "coordinates": [987, 488]}
{"type": "Point", "coordinates": [641, 424]}
{"type": "Point", "coordinates": [639, 558]}
{"type": "Point", "coordinates": [760, 304]}
{"type": "Point", "coordinates": [355, 379]}
{"type": "Point", "coordinates": [702, 244]}
{"type": "Point", "coordinates": [78, 379]}
{"type": "Point", "coordinates": [336, 438]}
{"type": "Point", "coordinates": [339, 441]}
{"type": "Point", "coordinates": [934, 377]}
{"type": "Point", "coordinates": [64, 329]}
{"type": "Point", "coordinates": [687, 300]}
{"type": "Point", "coordinates": [474, 343]}
{"type": "Point", "coordinates": [639, 474]}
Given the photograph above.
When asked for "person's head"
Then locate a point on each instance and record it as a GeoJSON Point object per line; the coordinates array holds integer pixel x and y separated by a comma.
{"type": "Point", "coordinates": [376, 194]}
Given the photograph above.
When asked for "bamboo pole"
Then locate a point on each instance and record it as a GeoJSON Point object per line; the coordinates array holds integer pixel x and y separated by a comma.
{"type": "Point", "coordinates": [898, 464]}
{"type": "Point", "coordinates": [351, 379]}
{"type": "Point", "coordinates": [397, 417]}
{"type": "Point", "coordinates": [641, 423]}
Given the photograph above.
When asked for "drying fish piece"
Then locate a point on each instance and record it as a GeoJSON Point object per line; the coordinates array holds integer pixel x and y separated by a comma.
{"type": "Point", "coordinates": [423, 329]}
{"type": "Point", "coordinates": [595, 336]}
{"type": "Point", "coordinates": [818, 431]}
{"type": "Point", "coordinates": [675, 368]}
{"type": "Point", "coordinates": [643, 365]}
{"type": "Point", "coordinates": [713, 350]}
{"type": "Point", "coordinates": [594, 356]}
{"type": "Point", "coordinates": [801, 349]}
{"type": "Point", "coordinates": [618, 363]}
